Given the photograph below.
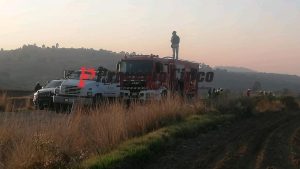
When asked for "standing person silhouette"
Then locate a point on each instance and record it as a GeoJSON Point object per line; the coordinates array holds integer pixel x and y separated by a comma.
{"type": "Point", "coordinates": [37, 87]}
{"type": "Point", "coordinates": [175, 40]}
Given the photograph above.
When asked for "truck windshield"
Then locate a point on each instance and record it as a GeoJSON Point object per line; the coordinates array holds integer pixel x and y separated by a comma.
{"type": "Point", "coordinates": [54, 84]}
{"type": "Point", "coordinates": [136, 66]}
{"type": "Point", "coordinates": [76, 76]}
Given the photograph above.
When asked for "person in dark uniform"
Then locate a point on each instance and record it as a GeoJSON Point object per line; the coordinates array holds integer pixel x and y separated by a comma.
{"type": "Point", "coordinates": [209, 92]}
{"type": "Point", "coordinates": [248, 92]}
{"type": "Point", "coordinates": [37, 87]}
{"type": "Point", "coordinates": [175, 40]}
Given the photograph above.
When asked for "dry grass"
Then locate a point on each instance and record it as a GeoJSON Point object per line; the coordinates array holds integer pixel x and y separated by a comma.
{"type": "Point", "coordinates": [15, 104]}
{"type": "Point", "coordinates": [3, 101]}
{"type": "Point", "coordinates": [49, 140]}
{"type": "Point", "coordinates": [266, 105]}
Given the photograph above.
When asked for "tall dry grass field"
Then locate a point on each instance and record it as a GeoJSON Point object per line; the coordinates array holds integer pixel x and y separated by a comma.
{"type": "Point", "coordinates": [50, 140]}
{"type": "Point", "coordinates": [3, 101]}
{"type": "Point", "coordinates": [13, 104]}
{"type": "Point", "coordinates": [266, 105]}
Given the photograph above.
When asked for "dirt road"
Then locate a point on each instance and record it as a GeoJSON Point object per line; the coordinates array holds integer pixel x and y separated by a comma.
{"type": "Point", "coordinates": [268, 141]}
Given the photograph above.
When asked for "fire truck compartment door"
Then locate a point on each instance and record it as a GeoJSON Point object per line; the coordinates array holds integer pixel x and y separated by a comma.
{"type": "Point", "coordinates": [111, 89]}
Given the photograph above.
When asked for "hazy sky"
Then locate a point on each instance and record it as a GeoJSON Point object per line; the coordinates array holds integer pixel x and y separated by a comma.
{"type": "Point", "coordinates": [260, 34]}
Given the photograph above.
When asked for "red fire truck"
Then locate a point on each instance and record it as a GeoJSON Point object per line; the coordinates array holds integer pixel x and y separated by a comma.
{"type": "Point", "coordinates": [147, 77]}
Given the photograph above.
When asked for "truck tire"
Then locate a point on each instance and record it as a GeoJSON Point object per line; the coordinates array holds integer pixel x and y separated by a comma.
{"type": "Point", "coordinates": [51, 105]}
{"type": "Point", "coordinates": [98, 98]}
{"type": "Point", "coordinates": [164, 94]}
{"type": "Point", "coordinates": [57, 107]}
{"type": "Point", "coordinates": [41, 106]}
{"type": "Point", "coordinates": [62, 108]}
{"type": "Point", "coordinates": [127, 103]}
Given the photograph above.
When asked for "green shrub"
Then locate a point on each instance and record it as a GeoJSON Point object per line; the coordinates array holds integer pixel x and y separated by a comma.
{"type": "Point", "coordinates": [289, 102]}
{"type": "Point", "coordinates": [241, 107]}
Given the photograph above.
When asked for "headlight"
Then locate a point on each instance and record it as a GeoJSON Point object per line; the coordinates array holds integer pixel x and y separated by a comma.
{"type": "Point", "coordinates": [35, 95]}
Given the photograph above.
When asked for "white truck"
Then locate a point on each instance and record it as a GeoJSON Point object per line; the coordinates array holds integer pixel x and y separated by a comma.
{"type": "Point", "coordinates": [105, 84]}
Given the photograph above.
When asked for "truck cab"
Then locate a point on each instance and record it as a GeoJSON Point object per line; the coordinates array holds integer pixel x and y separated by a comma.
{"type": "Point", "coordinates": [43, 97]}
{"type": "Point", "coordinates": [104, 84]}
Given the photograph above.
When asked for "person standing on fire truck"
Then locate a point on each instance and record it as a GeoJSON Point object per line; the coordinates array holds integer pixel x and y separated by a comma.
{"type": "Point", "coordinates": [175, 40]}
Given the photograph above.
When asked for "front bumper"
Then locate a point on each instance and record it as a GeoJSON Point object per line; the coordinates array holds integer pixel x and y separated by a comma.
{"type": "Point", "coordinates": [140, 95]}
{"type": "Point", "coordinates": [42, 100]}
{"type": "Point", "coordinates": [70, 100]}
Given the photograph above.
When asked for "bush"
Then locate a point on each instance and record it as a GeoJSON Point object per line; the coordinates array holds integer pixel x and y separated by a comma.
{"type": "Point", "coordinates": [268, 104]}
{"type": "Point", "coordinates": [290, 103]}
{"type": "Point", "coordinates": [242, 107]}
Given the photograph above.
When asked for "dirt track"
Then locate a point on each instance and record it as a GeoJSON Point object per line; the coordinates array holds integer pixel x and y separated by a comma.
{"type": "Point", "coordinates": [268, 141]}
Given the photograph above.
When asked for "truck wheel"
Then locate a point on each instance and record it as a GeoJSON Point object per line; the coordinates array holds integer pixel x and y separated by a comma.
{"type": "Point", "coordinates": [68, 109]}
{"type": "Point", "coordinates": [98, 99]}
{"type": "Point", "coordinates": [41, 106]}
{"type": "Point", "coordinates": [51, 106]}
{"type": "Point", "coordinates": [57, 107]}
{"type": "Point", "coordinates": [164, 94]}
{"type": "Point", "coordinates": [127, 103]}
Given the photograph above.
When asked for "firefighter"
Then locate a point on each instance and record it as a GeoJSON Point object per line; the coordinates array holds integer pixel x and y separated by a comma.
{"type": "Point", "coordinates": [248, 92]}
{"type": "Point", "coordinates": [214, 92]}
{"type": "Point", "coordinates": [37, 87]}
{"type": "Point", "coordinates": [175, 40]}
{"type": "Point", "coordinates": [209, 92]}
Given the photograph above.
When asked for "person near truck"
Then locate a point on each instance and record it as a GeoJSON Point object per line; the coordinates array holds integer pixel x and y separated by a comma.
{"type": "Point", "coordinates": [37, 87]}
{"type": "Point", "coordinates": [175, 40]}
{"type": "Point", "coordinates": [248, 92]}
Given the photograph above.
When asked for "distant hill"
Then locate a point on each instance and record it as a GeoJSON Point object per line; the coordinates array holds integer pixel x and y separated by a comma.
{"type": "Point", "coordinates": [240, 81]}
{"type": "Point", "coordinates": [21, 68]}
{"type": "Point", "coordinates": [235, 69]}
